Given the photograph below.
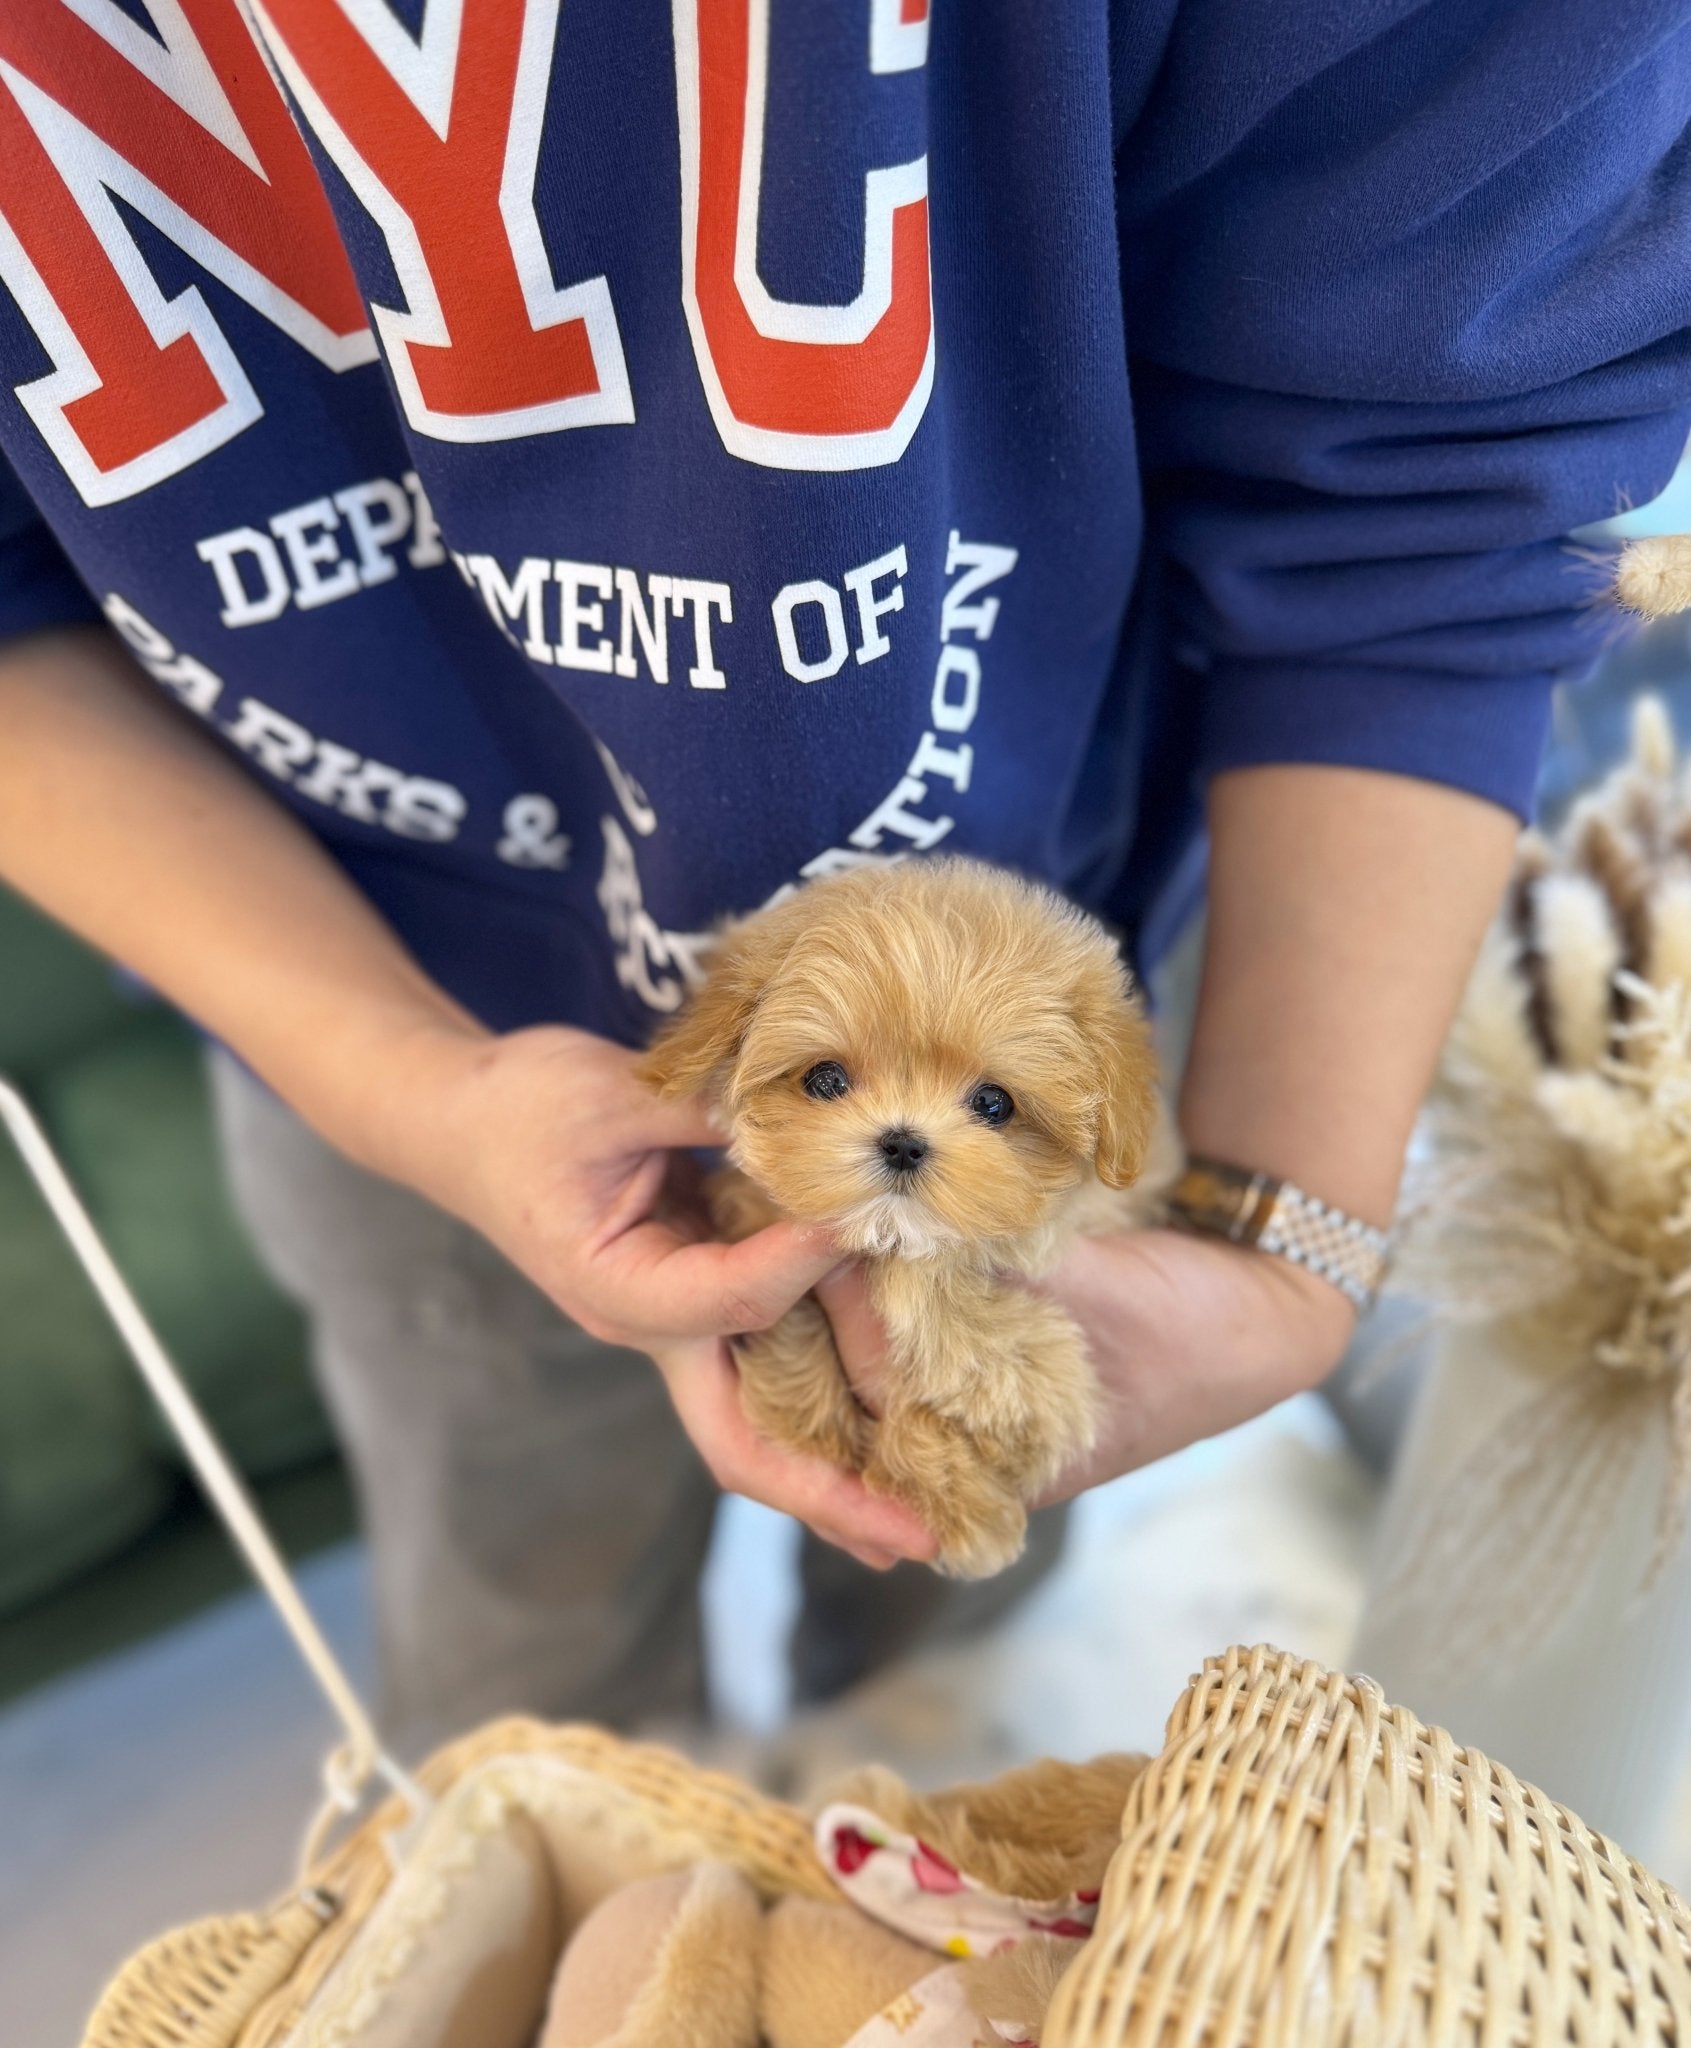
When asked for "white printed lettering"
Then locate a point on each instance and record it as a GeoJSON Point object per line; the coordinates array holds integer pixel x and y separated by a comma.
{"type": "Point", "coordinates": [957, 716]}
{"type": "Point", "coordinates": [653, 628]}
{"type": "Point", "coordinates": [953, 707]}
{"type": "Point", "coordinates": [277, 743]}
{"type": "Point", "coordinates": [414, 806]}
{"type": "Point", "coordinates": [346, 782]}
{"type": "Point", "coordinates": [240, 606]}
{"type": "Point", "coordinates": [192, 681]}
{"type": "Point", "coordinates": [644, 950]}
{"type": "Point", "coordinates": [532, 838]}
{"type": "Point", "coordinates": [307, 533]}
{"type": "Point", "coordinates": [372, 536]}
{"type": "Point", "coordinates": [981, 563]}
{"type": "Point", "coordinates": [421, 809]}
{"type": "Point", "coordinates": [827, 599]}
{"type": "Point", "coordinates": [146, 642]}
{"type": "Point", "coordinates": [188, 679]}
{"type": "Point", "coordinates": [870, 608]}
{"type": "Point", "coordinates": [893, 814]}
{"type": "Point", "coordinates": [573, 579]}
{"type": "Point", "coordinates": [425, 550]}
{"type": "Point", "coordinates": [704, 598]}
{"type": "Point", "coordinates": [522, 597]}
{"type": "Point", "coordinates": [253, 578]}
{"type": "Point", "coordinates": [954, 763]}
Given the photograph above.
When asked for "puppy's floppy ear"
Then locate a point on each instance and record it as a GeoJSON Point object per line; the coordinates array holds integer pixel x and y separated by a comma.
{"type": "Point", "coordinates": [1120, 1042]}
{"type": "Point", "coordinates": [697, 1046]}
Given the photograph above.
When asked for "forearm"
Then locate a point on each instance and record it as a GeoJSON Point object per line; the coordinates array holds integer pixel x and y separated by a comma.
{"type": "Point", "coordinates": [1345, 910]}
{"type": "Point", "coordinates": [125, 822]}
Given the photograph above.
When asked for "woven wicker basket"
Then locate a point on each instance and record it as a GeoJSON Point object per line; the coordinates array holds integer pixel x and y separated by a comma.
{"type": "Point", "coordinates": [245, 1980]}
{"type": "Point", "coordinates": [1301, 1866]}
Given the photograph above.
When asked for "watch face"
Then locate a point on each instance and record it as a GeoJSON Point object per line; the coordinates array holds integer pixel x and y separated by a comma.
{"type": "Point", "coordinates": [1207, 1197]}
{"type": "Point", "coordinates": [1230, 1204]}
{"type": "Point", "coordinates": [1227, 1201]}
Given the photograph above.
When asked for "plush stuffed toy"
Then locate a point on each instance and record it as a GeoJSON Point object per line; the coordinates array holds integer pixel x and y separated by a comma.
{"type": "Point", "coordinates": [654, 1949]}
{"type": "Point", "coordinates": [693, 1958]}
{"type": "Point", "coordinates": [959, 1914]}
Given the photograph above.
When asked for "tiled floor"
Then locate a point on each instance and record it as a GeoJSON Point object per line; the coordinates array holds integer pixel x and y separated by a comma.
{"type": "Point", "coordinates": [176, 1779]}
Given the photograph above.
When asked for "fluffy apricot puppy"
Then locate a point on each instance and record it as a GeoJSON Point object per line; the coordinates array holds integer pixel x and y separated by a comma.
{"type": "Point", "coordinates": [945, 1065]}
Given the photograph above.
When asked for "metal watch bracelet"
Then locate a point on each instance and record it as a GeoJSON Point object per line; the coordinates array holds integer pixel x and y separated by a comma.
{"type": "Point", "coordinates": [1253, 1208]}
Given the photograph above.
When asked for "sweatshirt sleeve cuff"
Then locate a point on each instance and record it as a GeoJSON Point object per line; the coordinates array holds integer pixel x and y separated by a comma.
{"type": "Point", "coordinates": [1484, 734]}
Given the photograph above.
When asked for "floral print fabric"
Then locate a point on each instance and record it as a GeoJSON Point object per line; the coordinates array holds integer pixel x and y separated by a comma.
{"type": "Point", "coordinates": [908, 1886]}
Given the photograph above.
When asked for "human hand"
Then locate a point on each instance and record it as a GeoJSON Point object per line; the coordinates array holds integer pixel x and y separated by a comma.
{"type": "Point", "coordinates": [547, 1142]}
{"type": "Point", "coordinates": [1188, 1336]}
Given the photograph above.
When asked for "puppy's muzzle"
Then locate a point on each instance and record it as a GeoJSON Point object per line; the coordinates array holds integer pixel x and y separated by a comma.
{"type": "Point", "coordinates": [902, 1151]}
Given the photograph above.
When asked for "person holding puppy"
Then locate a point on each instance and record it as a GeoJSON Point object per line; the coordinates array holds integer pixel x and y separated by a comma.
{"type": "Point", "coordinates": [485, 500]}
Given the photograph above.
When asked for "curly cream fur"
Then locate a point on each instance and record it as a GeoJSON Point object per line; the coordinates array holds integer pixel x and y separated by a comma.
{"type": "Point", "coordinates": [924, 979]}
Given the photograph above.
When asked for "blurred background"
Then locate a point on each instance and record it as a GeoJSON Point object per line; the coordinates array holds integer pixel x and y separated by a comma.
{"type": "Point", "coordinates": [159, 1743]}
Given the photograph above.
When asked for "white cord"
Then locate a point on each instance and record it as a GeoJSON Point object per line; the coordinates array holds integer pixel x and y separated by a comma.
{"type": "Point", "coordinates": [349, 1770]}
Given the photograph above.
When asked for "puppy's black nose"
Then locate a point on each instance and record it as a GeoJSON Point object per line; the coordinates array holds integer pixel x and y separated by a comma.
{"type": "Point", "coordinates": [903, 1150]}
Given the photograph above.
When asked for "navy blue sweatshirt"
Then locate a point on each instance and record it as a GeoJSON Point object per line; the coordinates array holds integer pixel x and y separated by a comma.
{"type": "Point", "coordinates": [598, 466]}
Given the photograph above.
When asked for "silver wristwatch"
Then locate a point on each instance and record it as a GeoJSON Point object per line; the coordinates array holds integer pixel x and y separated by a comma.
{"type": "Point", "coordinates": [1253, 1208]}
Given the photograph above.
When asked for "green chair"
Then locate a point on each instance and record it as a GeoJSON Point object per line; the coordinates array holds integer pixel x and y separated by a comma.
{"type": "Point", "coordinates": [86, 1469]}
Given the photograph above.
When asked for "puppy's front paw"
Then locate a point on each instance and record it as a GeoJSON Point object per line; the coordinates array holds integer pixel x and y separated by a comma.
{"type": "Point", "coordinates": [940, 1473]}
{"type": "Point", "coordinates": [795, 1392]}
{"type": "Point", "coordinates": [982, 1546]}
{"type": "Point", "coordinates": [1043, 1417]}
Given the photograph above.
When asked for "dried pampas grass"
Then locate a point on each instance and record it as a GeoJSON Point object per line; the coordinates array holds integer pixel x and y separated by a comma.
{"type": "Point", "coordinates": [1653, 577]}
{"type": "Point", "coordinates": [1550, 1205]}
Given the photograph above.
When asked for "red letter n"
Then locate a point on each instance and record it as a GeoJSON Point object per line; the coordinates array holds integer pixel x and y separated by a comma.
{"type": "Point", "coordinates": [188, 128]}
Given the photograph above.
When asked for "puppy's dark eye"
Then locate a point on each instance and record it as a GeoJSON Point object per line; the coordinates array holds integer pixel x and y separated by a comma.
{"type": "Point", "coordinates": [827, 1081]}
{"type": "Point", "coordinates": [992, 1104]}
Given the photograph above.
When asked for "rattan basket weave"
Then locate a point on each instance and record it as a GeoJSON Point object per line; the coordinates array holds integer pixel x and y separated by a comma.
{"type": "Point", "coordinates": [1302, 1865]}
{"type": "Point", "coordinates": [242, 1981]}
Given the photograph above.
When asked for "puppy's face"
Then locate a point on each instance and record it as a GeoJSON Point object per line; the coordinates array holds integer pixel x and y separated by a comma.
{"type": "Point", "coordinates": [919, 1055]}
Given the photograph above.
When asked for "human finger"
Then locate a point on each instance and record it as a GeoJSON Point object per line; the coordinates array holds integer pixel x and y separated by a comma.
{"type": "Point", "coordinates": [835, 1504]}
{"type": "Point", "coordinates": [860, 1337]}
{"type": "Point", "coordinates": [653, 1278]}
